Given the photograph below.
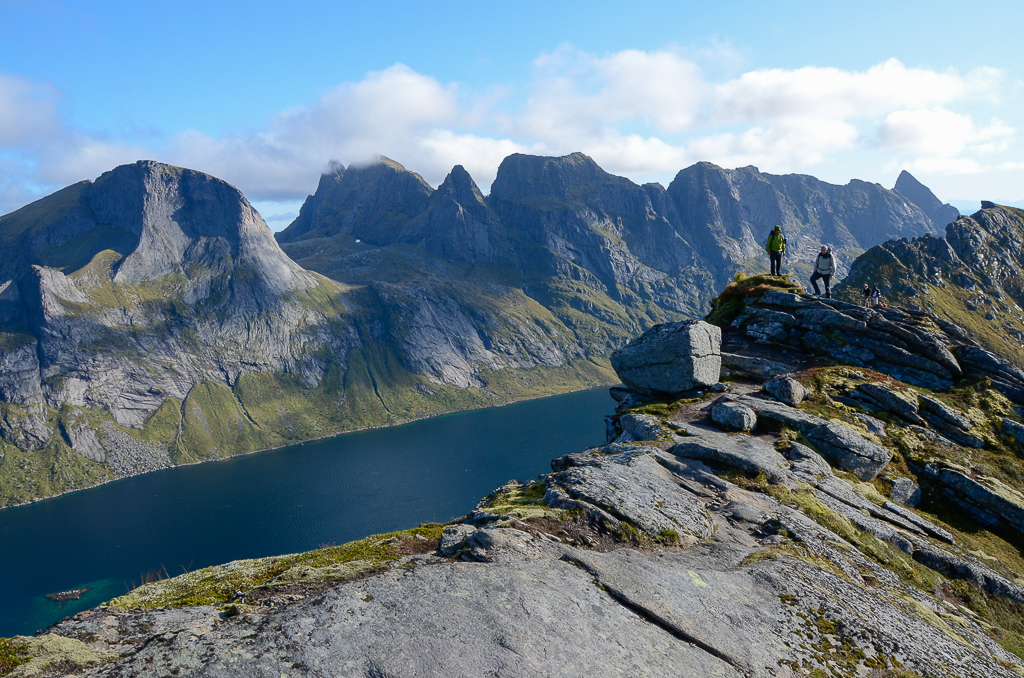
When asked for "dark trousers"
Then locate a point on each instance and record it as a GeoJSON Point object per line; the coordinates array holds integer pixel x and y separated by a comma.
{"type": "Point", "coordinates": [776, 258]}
{"type": "Point", "coordinates": [814, 282]}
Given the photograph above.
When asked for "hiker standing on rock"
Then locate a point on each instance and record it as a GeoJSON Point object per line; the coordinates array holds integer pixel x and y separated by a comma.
{"type": "Point", "coordinates": [824, 269]}
{"type": "Point", "coordinates": [776, 247]}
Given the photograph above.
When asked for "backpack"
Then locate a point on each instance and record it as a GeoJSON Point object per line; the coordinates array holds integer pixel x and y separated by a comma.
{"type": "Point", "coordinates": [764, 245]}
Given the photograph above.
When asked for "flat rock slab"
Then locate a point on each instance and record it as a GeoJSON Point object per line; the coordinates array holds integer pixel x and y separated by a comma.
{"type": "Point", "coordinates": [783, 414]}
{"type": "Point", "coordinates": [807, 464]}
{"type": "Point", "coordinates": [988, 493]}
{"type": "Point", "coordinates": [892, 401]}
{"type": "Point", "coordinates": [949, 414]}
{"type": "Point", "coordinates": [758, 368]}
{"type": "Point", "coordinates": [873, 425]}
{"type": "Point", "coordinates": [520, 618]}
{"type": "Point", "coordinates": [749, 615]}
{"type": "Point", "coordinates": [671, 358]}
{"type": "Point", "coordinates": [737, 451]}
{"type": "Point", "coordinates": [633, 486]}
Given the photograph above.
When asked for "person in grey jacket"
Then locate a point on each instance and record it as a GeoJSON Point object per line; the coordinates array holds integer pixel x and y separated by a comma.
{"type": "Point", "coordinates": [824, 269]}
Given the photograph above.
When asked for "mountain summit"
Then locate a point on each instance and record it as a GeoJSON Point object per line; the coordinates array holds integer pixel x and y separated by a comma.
{"type": "Point", "coordinates": [922, 196]}
{"type": "Point", "coordinates": [121, 295]}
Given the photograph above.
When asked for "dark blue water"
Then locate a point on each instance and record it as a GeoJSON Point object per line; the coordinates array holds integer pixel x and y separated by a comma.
{"type": "Point", "coordinates": [284, 501]}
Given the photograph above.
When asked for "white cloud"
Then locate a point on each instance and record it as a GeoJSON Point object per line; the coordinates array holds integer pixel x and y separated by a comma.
{"type": "Point", "coordinates": [832, 93]}
{"type": "Point", "coordinates": [642, 114]}
{"type": "Point", "coordinates": [28, 112]}
{"type": "Point", "coordinates": [939, 132]}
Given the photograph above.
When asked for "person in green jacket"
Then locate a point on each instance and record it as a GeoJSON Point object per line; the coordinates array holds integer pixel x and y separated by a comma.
{"type": "Point", "coordinates": [776, 247]}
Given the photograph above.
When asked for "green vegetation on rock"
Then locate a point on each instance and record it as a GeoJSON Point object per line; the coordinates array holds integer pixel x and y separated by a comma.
{"type": "Point", "coordinates": [324, 566]}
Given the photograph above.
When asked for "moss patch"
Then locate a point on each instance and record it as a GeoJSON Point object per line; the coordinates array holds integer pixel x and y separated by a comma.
{"type": "Point", "coordinates": [522, 502]}
{"type": "Point", "coordinates": [12, 654]}
{"type": "Point", "coordinates": [220, 584]}
{"type": "Point", "coordinates": [745, 290]}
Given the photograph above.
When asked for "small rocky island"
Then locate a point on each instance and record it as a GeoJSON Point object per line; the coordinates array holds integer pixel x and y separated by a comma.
{"type": "Point", "coordinates": [65, 596]}
{"type": "Point", "coordinates": [791, 487]}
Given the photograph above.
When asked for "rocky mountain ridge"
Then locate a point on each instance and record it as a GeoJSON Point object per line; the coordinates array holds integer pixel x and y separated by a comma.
{"type": "Point", "coordinates": [804, 516]}
{"type": "Point", "coordinates": [972, 276]}
{"type": "Point", "coordinates": [567, 216]}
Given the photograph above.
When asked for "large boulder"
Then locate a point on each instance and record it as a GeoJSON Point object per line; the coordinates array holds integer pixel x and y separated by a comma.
{"type": "Point", "coordinates": [670, 359]}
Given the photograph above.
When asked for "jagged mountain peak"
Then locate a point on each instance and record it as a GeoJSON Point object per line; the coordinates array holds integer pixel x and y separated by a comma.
{"type": "Point", "coordinates": [460, 185]}
{"type": "Point", "coordinates": [371, 201]}
{"type": "Point", "coordinates": [529, 177]}
{"type": "Point", "coordinates": [457, 224]}
{"type": "Point", "coordinates": [919, 194]}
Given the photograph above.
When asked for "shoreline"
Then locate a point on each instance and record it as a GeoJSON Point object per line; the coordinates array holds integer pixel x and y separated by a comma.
{"type": "Point", "coordinates": [296, 444]}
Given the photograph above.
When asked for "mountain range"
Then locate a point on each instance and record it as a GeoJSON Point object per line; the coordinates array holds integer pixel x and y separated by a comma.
{"type": "Point", "coordinates": [149, 317]}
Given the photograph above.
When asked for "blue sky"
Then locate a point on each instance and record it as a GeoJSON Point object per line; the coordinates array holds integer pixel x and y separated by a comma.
{"type": "Point", "coordinates": [265, 94]}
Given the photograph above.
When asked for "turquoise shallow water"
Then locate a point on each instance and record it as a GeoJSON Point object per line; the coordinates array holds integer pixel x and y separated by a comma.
{"type": "Point", "coordinates": [283, 501]}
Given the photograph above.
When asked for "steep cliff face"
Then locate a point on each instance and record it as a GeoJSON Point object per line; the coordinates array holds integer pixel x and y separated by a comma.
{"type": "Point", "coordinates": [972, 276]}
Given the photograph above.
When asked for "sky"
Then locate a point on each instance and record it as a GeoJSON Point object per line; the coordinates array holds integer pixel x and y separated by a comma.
{"type": "Point", "coordinates": [266, 94]}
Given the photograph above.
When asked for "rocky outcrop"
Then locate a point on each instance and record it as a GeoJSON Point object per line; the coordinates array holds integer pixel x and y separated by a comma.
{"type": "Point", "coordinates": [969, 277]}
{"type": "Point", "coordinates": [671, 359]}
{"type": "Point", "coordinates": [915, 347]}
{"type": "Point", "coordinates": [640, 558]}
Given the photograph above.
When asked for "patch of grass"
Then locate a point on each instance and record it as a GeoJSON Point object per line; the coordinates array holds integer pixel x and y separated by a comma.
{"type": "Point", "coordinates": [667, 537]}
{"type": "Point", "coordinates": [219, 585]}
{"type": "Point", "coordinates": [53, 469]}
{"type": "Point", "coordinates": [1005, 619]}
{"type": "Point", "coordinates": [522, 502]}
{"type": "Point", "coordinates": [745, 290]}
